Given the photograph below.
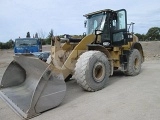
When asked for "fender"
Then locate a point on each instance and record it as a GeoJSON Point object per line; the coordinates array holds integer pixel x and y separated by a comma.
{"type": "Point", "coordinates": [105, 51]}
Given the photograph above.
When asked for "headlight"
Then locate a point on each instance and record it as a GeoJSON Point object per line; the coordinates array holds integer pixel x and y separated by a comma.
{"type": "Point", "coordinates": [106, 43]}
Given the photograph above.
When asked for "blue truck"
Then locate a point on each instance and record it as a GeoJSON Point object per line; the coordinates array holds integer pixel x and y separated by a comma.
{"type": "Point", "coordinates": [27, 45]}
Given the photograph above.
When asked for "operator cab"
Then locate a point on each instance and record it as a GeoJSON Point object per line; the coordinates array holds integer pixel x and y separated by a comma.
{"type": "Point", "coordinates": [110, 25]}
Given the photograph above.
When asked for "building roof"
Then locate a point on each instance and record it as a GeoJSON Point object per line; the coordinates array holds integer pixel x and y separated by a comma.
{"type": "Point", "coordinates": [26, 39]}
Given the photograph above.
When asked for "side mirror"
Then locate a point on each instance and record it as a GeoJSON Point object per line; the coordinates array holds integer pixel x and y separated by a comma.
{"type": "Point", "coordinates": [98, 32]}
{"type": "Point", "coordinates": [85, 23]}
{"type": "Point", "coordinates": [84, 34]}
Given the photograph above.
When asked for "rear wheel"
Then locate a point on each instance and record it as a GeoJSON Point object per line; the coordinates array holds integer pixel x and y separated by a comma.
{"type": "Point", "coordinates": [134, 63]}
{"type": "Point", "coordinates": [92, 70]}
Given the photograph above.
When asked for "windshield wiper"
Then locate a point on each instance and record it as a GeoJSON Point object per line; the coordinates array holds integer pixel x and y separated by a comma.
{"type": "Point", "coordinates": [98, 25]}
{"type": "Point", "coordinates": [33, 44]}
{"type": "Point", "coordinates": [23, 44]}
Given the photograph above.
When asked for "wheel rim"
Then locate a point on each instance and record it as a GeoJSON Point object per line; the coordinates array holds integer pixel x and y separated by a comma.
{"type": "Point", "coordinates": [99, 72]}
{"type": "Point", "coordinates": [136, 63]}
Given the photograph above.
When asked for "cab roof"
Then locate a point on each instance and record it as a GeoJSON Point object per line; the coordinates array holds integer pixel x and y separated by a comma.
{"type": "Point", "coordinates": [100, 11]}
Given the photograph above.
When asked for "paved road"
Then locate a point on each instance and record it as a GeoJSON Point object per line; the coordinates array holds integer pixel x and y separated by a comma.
{"type": "Point", "coordinates": [124, 98]}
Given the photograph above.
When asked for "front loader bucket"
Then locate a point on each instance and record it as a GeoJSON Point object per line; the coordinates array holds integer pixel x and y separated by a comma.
{"type": "Point", "coordinates": [30, 86]}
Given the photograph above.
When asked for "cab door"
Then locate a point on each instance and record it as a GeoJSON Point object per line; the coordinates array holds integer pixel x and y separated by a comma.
{"type": "Point", "coordinates": [119, 28]}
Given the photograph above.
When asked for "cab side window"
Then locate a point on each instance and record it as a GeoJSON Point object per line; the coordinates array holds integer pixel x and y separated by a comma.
{"type": "Point", "coordinates": [121, 21]}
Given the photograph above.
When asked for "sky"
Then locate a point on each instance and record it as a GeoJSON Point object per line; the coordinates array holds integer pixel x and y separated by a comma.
{"type": "Point", "coordinates": [17, 17]}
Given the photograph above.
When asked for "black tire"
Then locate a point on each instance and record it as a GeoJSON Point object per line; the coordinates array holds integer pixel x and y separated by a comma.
{"type": "Point", "coordinates": [92, 70]}
{"type": "Point", "coordinates": [134, 63]}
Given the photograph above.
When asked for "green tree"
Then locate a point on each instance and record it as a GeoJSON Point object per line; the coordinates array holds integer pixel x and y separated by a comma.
{"type": "Point", "coordinates": [141, 37]}
{"type": "Point", "coordinates": [28, 35]}
{"type": "Point", "coordinates": [10, 43]}
{"type": "Point", "coordinates": [153, 33]}
{"type": "Point", "coordinates": [36, 35]}
{"type": "Point", "coordinates": [0, 45]}
{"type": "Point", "coordinates": [7, 45]}
{"type": "Point", "coordinates": [43, 41]}
{"type": "Point", "coordinates": [50, 35]}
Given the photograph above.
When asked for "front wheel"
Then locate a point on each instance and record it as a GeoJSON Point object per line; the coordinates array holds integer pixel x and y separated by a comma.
{"type": "Point", "coordinates": [92, 70]}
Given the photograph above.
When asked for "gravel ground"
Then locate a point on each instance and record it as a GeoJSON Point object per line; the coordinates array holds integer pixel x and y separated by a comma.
{"type": "Point", "coordinates": [130, 98]}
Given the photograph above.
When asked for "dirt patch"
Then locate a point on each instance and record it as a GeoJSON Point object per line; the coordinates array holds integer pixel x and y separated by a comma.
{"type": "Point", "coordinates": [6, 56]}
{"type": "Point", "coordinates": [46, 48]}
{"type": "Point", "coordinates": [151, 50]}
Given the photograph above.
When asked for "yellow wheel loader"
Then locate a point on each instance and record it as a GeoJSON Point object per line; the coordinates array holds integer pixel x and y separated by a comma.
{"type": "Point", "coordinates": [31, 86]}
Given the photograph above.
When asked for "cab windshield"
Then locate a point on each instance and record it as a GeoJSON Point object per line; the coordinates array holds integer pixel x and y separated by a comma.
{"type": "Point", "coordinates": [95, 22]}
{"type": "Point", "coordinates": [25, 42]}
